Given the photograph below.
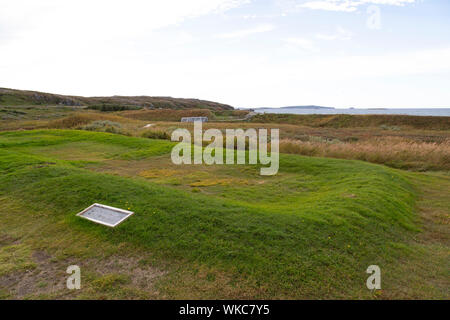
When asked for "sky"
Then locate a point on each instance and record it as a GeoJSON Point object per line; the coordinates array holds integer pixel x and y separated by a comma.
{"type": "Point", "coordinates": [246, 53]}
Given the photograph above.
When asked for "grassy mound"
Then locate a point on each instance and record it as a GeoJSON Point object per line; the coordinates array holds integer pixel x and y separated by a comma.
{"type": "Point", "coordinates": [311, 230]}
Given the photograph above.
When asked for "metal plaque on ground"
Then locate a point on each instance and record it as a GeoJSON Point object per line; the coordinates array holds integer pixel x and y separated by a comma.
{"type": "Point", "coordinates": [106, 215]}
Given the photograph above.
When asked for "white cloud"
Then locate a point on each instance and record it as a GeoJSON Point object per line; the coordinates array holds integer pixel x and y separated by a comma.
{"type": "Point", "coordinates": [340, 34]}
{"type": "Point", "coordinates": [349, 5]}
{"type": "Point", "coordinates": [83, 19]}
{"type": "Point", "coordinates": [330, 5]}
{"type": "Point", "coordinates": [84, 47]}
{"type": "Point", "coordinates": [302, 43]}
{"type": "Point", "coordinates": [246, 32]}
{"type": "Point", "coordinates": [183, 38]}
{"type": "Point", "coordinates": [389, 2]}
{"type": "Point", "coordinates": [395, 64]}
{"type": "Point", "coordinates": [256, 80]}
{"type": "Point", "coordinates": [317, 80]}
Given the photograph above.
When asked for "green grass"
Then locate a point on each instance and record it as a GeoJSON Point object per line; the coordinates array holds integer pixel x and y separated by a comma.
{"type": "Point", "coordinates": [13, 100]}
{"type": "Point", "coordinates": [15, 257]}
{"type": "Point", "coordinates": [310, 231]}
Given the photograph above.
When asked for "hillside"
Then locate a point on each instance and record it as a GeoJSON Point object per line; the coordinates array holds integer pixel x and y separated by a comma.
{"type": "Point", "coordinates": [12, 97]}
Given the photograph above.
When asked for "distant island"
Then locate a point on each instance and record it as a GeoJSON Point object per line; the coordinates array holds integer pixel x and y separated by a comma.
{"type": "Point", "coordinates": [300, 107]}
{"type": "Point", "coordinates": [312, 109]}
{"type": "Point", "coordinates": [306, 107]}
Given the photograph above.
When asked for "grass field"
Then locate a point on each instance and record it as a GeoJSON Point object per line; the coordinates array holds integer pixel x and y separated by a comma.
{"type": "Point", "coordinates": [422, 144]}
{"type": "Point", "coordinates": [213, 231]}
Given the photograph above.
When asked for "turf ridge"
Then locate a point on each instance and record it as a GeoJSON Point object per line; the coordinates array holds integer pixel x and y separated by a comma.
{"type": "Point", "coordinates": [353, 215]}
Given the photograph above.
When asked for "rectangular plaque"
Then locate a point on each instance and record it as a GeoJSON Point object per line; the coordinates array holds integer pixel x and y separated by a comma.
{"type": "Point", "coordinates": [106, 215]}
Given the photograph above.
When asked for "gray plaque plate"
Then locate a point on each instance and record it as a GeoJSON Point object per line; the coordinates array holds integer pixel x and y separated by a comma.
{"type": "Point", "coordinates": [106, 215]}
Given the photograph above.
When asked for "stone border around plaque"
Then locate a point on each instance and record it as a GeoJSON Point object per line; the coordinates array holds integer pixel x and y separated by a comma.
{"type": "Point", "coordinates": [105, 215]}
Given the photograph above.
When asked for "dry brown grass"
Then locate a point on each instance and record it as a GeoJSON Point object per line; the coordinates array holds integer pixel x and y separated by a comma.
{"type": "Point", "coordinates": [412, 149]}
{"type": "Point", "coordinates": [393, 151]}
{"type": "Point", "coordinates": [400, 147]}
{"type": "Point", "coordinates": [166, 115]}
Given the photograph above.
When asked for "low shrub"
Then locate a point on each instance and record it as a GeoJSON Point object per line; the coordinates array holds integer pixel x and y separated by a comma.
{"type": "Point", "coordinates": [113, 107]}
{"type": "Point", "coordinates": [105, 126]}
{"type": "Point", "coordinates": [101, 125]}
{"type": "Point", "coordinates": [156, 134]}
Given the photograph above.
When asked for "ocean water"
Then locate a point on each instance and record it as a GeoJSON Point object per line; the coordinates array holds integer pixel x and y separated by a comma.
{"type": "Point", "coordinates": [413, 112]}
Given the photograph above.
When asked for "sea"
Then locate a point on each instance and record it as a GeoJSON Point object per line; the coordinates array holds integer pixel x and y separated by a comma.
{"type": "Point", "coordinates": [442, 112]}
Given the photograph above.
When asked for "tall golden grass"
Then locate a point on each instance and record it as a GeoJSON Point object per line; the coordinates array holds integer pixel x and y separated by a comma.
{"type": "Point", "coordinates": [396, 152]}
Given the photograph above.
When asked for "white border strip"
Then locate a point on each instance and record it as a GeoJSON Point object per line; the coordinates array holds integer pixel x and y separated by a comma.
{"type": "Point", "coordinates": [128, 214]}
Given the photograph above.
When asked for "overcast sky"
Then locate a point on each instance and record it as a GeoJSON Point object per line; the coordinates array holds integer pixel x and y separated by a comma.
{"type": "Point", "coordinates": [260, 53]}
